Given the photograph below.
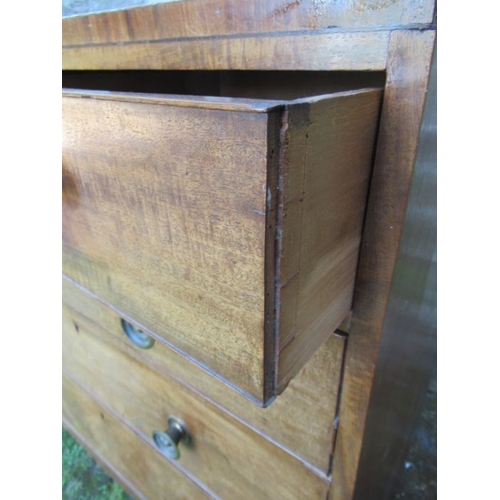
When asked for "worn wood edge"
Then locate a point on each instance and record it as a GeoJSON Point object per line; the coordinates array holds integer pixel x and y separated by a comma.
{"type": "Point", "coordinates": [67, 424]}
{"type": "Point", "coordinates": [311, 51]}
{"type": "Point", "coordinates": [171, 346]}
{"type": "Point", "coordinates": [237, 104]}
{"type": "Point", "coordinates": [189, 101]}
{"type": "Point", "coordinates": [290, 113]}
{"type": "Point", "coordinates": [343, 93]}
{"type": "Point", "coordinates": [278, 204]}
{"type": "Point", "coordinates": [364, 337]}
{"type": "Point", "coordinates": [271, 262]}
{"type": "Point", "coordinates": [232, 17]}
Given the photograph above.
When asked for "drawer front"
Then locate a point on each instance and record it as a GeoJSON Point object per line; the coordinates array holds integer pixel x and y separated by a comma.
{"type": "Point", "coordinates": [300, 420]}
{"type": "Point", "coordinates": [162, 218]}
{"type": "Point", "coordinates": [133, 463]}
{"type": "Point", "coordinates": [230, 459]}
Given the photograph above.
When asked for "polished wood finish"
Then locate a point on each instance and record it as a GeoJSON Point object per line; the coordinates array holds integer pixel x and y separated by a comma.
{"type": "Point", "coordinates": [164, 230]}
{"type": "Point", "coordinates": [339, 51]}
{"type": "Point", "coordinates": [247, 265]}
{"type": "Point", "coordinates": [209, 18]}
{"type": "Point", "coordinates": [138, 466]}
{"type": "Point", "coordinates": [226, 456]}
{"type": "Point", "coordinates": [301, 420]}
{"type": "Point", "coordinates": [407, 79]}
{"type": "Point", "coordinates": [397, 37]}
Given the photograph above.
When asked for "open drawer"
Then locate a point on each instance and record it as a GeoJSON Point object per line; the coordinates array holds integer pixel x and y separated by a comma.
{"type": "Point", "coordinates": [227, 226]}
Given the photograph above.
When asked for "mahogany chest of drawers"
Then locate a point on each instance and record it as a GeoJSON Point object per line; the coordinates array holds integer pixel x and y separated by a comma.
{"type": "Point", "coordinates": [237, 211]}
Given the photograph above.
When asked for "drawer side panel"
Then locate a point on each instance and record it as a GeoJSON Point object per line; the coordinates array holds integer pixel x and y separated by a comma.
{"type": "Point", "coordinates": [326, 168]}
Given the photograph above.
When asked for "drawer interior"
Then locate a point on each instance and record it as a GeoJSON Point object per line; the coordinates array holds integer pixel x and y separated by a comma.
{"type": "Point", "coordinates": [244, 84]}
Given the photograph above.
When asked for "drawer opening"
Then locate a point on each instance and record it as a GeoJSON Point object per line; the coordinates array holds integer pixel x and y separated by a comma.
{"type": "Point", "coordinates": [272, 85]}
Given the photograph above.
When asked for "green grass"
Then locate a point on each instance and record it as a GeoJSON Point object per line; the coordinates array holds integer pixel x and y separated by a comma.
{"type": "Point", "coordinates": [82, 478]}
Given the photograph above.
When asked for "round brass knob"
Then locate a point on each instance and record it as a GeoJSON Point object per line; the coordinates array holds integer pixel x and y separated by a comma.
{"type": "Point", "coordinates": [168, 441]}
{"type": "Point", "coordinates": [138, 337]}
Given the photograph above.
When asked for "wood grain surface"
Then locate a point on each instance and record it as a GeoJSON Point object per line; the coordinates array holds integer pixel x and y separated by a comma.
{"type": "Point", "coordinates": [167, 223]}
{"type": "Point", "coordinates": [407, 358]}
{"type": "Point", "coordinates": [300, 420]}
{"type": "Point", "coordinates": [326, 166]}
{"type": "Point", "coordinates": [208, 18]}
{"type": "Point", "coordinates": [248, 265]}
{"type": "Point", "coordinates": [229, 458]}
{"type": "Point", "coordinates": [408, 70]}
{"type": "Point", "coordinates": [315, 51]}
{"type": "Point", "coordinates": [141, 470]}
{"type": "Point", "coordinates": [344, 35]}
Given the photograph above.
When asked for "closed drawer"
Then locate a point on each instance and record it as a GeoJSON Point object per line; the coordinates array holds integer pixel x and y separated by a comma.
{"type": "Point", "coordinates": [227, 457]}
{"type": "Point", "coordinates": [302, 420]}
{"type": "Point", "coordinates": [228, 227]}
{"type": "Point", "coordinates": [131, 461]}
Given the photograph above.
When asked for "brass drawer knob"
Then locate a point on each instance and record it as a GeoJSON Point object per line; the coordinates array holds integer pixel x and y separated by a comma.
{"type": "Point", "coordinates": [168, 441]}
{"type": "Point", "coordinates": [138, 337]}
